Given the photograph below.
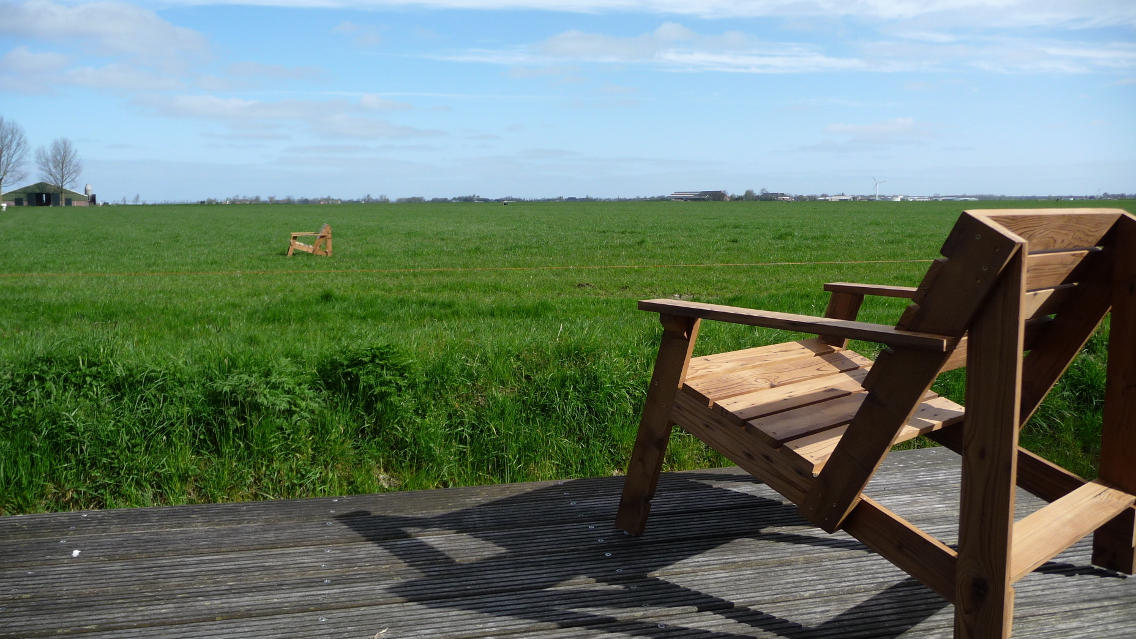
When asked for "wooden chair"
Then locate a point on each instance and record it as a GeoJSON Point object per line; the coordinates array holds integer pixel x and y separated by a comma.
{"type": "Point", "coordinates": [813, 420]}
{"type": "Point", "coordinates": [322, 237]}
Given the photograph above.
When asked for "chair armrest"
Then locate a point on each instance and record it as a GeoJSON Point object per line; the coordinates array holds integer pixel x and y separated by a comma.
{"type": "Point", "coordinates": [804, 323]}
{"type": "Point", "coordinates": [303, 234]}
{"type": "Point", "coordinates": [882, 290]}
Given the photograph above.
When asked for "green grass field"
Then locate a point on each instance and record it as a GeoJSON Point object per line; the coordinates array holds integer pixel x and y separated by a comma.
{"type": "Point", "coordinates": [172, 354]}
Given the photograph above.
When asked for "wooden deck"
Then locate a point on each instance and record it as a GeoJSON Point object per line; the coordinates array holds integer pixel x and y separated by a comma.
{"type": "Point", "coordinates": [723, 556]}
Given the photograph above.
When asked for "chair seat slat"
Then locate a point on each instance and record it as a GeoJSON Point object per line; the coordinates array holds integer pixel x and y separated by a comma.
{"type": "Point", "coordinates": [813, 451]}
{"type": "Point", "coordinates": [747, 380]}
{"type": "Point", "coordinates": [725, 362]}
{"type": "Point", "coordinates": [775, 400]}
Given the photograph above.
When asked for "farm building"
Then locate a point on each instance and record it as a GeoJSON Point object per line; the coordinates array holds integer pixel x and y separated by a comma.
{"type": "Point", "coordinates": [44, 194]}
{"type": "Point", "coordinates": [717, 196]}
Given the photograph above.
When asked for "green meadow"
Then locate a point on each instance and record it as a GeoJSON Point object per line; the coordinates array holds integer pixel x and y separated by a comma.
{"type": "Point", "coordinates": [172, 354]}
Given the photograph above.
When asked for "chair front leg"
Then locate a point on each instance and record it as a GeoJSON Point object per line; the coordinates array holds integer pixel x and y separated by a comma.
{"type": "Point", "coordinates": [984, 595]}
{"type": "Point", "coordinates": [679, 335]}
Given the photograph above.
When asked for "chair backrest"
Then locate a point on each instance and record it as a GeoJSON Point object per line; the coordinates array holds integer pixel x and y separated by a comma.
{"type": "Point", "coordinates": [1062, 264]}
{"type": "Point", "coordinates": [1067, 269]}
{"type": "Point", "coordinates": [1055, 242]}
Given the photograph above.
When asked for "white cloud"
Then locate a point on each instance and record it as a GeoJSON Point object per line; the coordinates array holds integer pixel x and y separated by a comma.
{"type": "Point", "coordinates": [23, 70]}
{"type": "Point", "coordinates": [886, 47]}
{"type": "Point", "coordinates": [873, 136]}
{"type": "Point", "coordinates": [671, 46]}
{"type": "Point", "coordinates": [1067, 57]}
{"type": "Point", "coordinates": [255, 75]}
{"type": "Point", "coordinates": [676, 47]}
{"type": "Point", "coordinates": [336, 118]}
{"type": "Point", "coordinates": [323, 149]}
{"type": "Point", "coordinates": [27, 72]}
{"type": "Point", "coordinates": [372, 101]}
{"type": "Point", "coordinates": [112, 45]}
{"type": "Point", "coordinates": [615, 89]}
{"type": "Point", "coordinates": [345, 125]}
{"type": "Point", "coordinates": [259, 70]}
{"type": "Point", "coordinates": [21, 60]}
{"type": "Point", "coordinates": [541, 71]}
{"type": "Point", "coordinates": [1003, 54]}
{"type": "Point", "coordinates": [888, 128]}
{"type": "Point", "coordinates": [992, 13]}
{"type": "Point", "coordinates": [361, 35]}
{"type": "Point", "coordinates": [605, 48]}
{"type": "Point", "coordinates": [248, 135]}
{"type": "Point", "coordinates": [106, 28]}
{"type": "Point", "coordinates": [117, 46]}
{"type": "Point", "coordinates": [120, 76]}
{"type": "Point", "coordinates": [237, 109]}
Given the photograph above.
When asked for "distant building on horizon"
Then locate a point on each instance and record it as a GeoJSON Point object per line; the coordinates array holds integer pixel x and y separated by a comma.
{"type": "Point", "coordinates": [704, 196]}
{"type": "Point", "coordinates": [44, 194]}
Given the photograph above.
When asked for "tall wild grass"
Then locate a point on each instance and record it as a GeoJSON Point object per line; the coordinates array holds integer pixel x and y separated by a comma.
{"type": "Point", "coordinates": [90, 426]}
{"type": "Point", "coordinates": [253, 376]}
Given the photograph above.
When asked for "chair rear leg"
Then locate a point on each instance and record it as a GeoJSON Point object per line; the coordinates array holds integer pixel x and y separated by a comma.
{"type": "Point", "coordinates": [1114, 544]}
{"type": "Point", "coordinates": [679, 335]}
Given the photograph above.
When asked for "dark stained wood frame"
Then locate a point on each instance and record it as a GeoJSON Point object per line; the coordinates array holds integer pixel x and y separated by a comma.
{"type": "Point", "coordinates": [1005, 273]}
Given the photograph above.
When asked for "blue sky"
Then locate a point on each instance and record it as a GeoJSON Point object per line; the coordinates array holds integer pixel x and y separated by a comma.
{"type": "Point", "coordinates": [183, 100]}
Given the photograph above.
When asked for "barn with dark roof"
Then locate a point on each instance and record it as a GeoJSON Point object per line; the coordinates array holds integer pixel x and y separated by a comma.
{"type": "Point", "coordinates": [44, 194]}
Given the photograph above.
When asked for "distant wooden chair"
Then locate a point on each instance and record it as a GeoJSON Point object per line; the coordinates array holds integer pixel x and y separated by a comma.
{"type": "Point", "coordinates": [322, 237]}
{"type": "Point", "coordinates": [813, 420]}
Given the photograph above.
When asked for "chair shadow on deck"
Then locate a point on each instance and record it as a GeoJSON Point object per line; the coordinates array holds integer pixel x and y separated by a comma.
{"type": "Point", "coordinates": [526, 579]}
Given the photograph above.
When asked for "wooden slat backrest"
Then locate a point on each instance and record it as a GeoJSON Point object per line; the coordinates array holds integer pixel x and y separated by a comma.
{"type": "Point", "coordinates": [1055, 229]}
{"type": "Point", "coordinates": [1058, 240]}
{"type": "Point", "coordinates": [1069, 273]}
{"type": "Point", "coordinates": [953, 290]}
{"type": "Point", "coordinates": [1062, 246]}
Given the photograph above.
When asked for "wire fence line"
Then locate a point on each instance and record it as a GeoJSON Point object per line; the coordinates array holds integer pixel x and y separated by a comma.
{"type": "Point", "coordinates": [455, 269]}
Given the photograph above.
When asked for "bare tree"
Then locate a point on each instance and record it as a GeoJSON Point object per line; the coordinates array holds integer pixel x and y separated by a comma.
{"type": "Point", "coordinates": [13, 152]}
{"type": "Point", "coordinates": [60, 165]}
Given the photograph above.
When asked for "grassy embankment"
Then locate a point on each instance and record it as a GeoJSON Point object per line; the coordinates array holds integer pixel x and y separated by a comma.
{"type": "Point", "coordinates": [226, 379]}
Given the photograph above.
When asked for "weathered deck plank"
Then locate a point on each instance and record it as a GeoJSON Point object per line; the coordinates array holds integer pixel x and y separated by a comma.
{"type": "Point", "coordinates": [723, 556]}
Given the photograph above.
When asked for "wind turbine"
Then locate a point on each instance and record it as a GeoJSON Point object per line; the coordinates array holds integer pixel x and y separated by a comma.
{"type": "Point", "coordinates": [878, 183]}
